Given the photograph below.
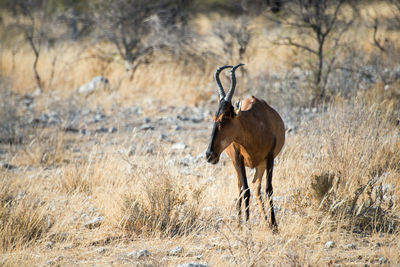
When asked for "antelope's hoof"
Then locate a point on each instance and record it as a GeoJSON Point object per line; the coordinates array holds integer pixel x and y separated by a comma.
{"type": "Point", "coordinates": [274, 228]}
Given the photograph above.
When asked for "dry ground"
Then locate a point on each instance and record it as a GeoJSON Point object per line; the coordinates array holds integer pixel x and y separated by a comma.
{"type": "Point", "coordinates": [133, 156]}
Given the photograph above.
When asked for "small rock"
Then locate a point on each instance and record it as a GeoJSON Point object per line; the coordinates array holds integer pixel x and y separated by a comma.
{"type": "Point", "coordinates": [6, 166]}
{"type": "Point", "coordinates": [330, 244]}
{"type": "Point", "coordinates": [144, 253]}
{"type": "Point", "coordinates": [383, 260]}
{"type": "Point", "coordinates": [50, 263]}
{"type": "Point", "coordinates": [50, 244]}
{"type": "Point", "coordinates": [67, 247]}
{"type": "Point", "coordinates": [95, 84]}
{"type": "Point", "coordinates": [193, 264]}
{"type": "Point", "coordinates": [84, 131]}
{"type": "Point", "coordinates": [164, 137]}
{"type": "Point", "coordinates": [96, 222]}
{"type": "Point", "coordinates": [351, 246]}
{"type": "Point", "coordinates": [102, 129]}
{"type": "Point", "coordinates": [176, 251]}
{"type": "Point", "coordinates": [19, 196]}
{"type": "Point", "coordinates": [146, 127]}
{"type": "Point", "coordinates": [112, 130]}
{"type": "Point", "coordinates": [147, 120]}
{"type": "Point", "coordinates": [178, 146]}
{"type": "Point", "coordinates": [98, 117]}
{"type": "Point", "coordinates": [101, 250]}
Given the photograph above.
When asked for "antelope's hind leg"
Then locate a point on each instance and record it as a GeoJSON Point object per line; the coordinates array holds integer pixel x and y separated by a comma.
{"type": "Point", "coordinates": [257, 189]}
{"type": "Point", "coordinates": [269, 189]}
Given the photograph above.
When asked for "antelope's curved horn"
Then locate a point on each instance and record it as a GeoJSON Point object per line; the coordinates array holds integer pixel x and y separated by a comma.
{"type": "Point", "coordinates": [228, 97]}
{"type": "Point", "coordinates": [221, 89]}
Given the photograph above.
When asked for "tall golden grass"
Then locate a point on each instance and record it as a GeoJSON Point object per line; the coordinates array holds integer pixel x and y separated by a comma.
{"type": "Point", "coordinates": [336, 179]}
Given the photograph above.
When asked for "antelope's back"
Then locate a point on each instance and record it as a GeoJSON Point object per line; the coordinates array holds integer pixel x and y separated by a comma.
{"type": "Point", "coordinates": [267, 121]}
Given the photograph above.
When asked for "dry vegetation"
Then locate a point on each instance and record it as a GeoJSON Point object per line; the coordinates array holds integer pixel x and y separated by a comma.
{"type": "Point", "coordinates": [337, 178]}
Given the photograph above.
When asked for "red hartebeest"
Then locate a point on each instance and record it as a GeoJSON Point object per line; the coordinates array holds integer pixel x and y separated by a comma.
{"type": "Point", "coordinates": [253, 136]}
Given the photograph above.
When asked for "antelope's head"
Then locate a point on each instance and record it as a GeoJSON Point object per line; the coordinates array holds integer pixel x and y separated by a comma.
{"type": "Point", "coordinates": [224, 127]}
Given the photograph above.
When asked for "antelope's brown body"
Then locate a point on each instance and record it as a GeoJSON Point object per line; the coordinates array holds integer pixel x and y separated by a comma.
{"type": "Point", "coordinates": [252, 137]}
{"type": "Point", "coordinates": [257, 126]}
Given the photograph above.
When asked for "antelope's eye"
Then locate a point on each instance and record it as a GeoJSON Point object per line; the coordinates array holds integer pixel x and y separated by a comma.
{"type": "Point", "coordinates": [224, 120]}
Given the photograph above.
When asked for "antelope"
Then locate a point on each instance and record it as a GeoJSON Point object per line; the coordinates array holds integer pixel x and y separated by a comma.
{"type": "Point", "coordinates": [252, 137]}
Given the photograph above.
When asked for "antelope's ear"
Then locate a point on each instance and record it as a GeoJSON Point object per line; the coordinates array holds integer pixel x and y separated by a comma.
{"type": "Point", "coordinates": [237, 106]}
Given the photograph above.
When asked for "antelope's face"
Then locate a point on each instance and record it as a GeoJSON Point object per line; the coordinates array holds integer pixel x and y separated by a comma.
{"type": "Point", "coordinates": [224, 120]}
{"type": "Point", "coordinates": [223, 131]}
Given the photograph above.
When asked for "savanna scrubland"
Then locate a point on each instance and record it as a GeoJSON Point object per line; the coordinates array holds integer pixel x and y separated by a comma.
{"type": "Point", "coordinates": [116, 175]}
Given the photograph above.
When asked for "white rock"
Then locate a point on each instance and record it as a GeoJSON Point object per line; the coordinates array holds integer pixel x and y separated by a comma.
{"type": "Point", "coordinates": [329, 244]}
{"type": "Point", "coordinates": [193, 264]}
{"type": "Point", "coordinates": [96, 83]}
{"type": "Point", "coordinates": [178, 146]}
{"type": "Point", "coordinates": [351, 246]}
{"type": "Point", "coordinates": [96, 222]}
{"type": "Point", "coordinates": [139, 254]}
{"type": "Point", "coordinates": [383, 260]}
{"type": "Point", "coordinates": [176, 251]}
{"type": "Point", "coordinates": [101, 250]}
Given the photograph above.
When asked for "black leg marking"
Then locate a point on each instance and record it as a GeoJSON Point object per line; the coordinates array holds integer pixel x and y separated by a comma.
{"type": "Point", "coordinates": [269, 189]}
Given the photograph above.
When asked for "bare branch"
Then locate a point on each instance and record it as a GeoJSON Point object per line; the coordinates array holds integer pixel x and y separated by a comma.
{"type": "Point", "coordinates": [376, 41]}
{"type": "Point", "coordinates": [298, 45]}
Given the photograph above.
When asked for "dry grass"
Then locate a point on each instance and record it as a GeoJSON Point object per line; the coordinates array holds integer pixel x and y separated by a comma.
{"type": "Point", "coordinates": [336, 179]}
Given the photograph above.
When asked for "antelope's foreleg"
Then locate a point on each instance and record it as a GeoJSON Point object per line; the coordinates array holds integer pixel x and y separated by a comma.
{"type": "Point", "coordinates": [269, 190]}
{"type": "Point", "coordinates": [244, 191]}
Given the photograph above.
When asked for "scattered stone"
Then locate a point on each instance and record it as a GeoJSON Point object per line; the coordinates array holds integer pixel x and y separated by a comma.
{"type": "Point", "coordinates": [330, 244]}
{"type": "Point", "coordinates": [112, 130]}
{"type": "Point", "coordinates": [147, 120]}
{"type": "Point", "coordinates": [383, 260]}
{"type": "Point", "coordinates": [67, 247]}
{"type": "Point", "coordinates": [351, 246]}
{"type": "Point", "coordinates": [96, 83]}
{"type": "Point", "coordinates": [6, 166]}
{"type": "Point", "coordinates": [95, 223]}
{"type": "Point", "coordinates": [179, 117]}
{"type": "Point", "coordinates": [50, 244]}
{"type": "Point", "coordinates": [144, 253]}
{"type": "Point", "coordinates": [84, 132]}
{"type": "Point", "coordinates": [163, 137]}
{"type": "Point", "coordinates": [193, 264]}
{"type": "Point", "coordinates": [19, 196]}
{"type": "Point", "coordinates": [71, 129]}
{"type": "Point", "coordinates": [178, 146]}
{"type": "Point", "coordinates": [176, 251]}
{"type": "Point", "coordinates": [102, 129]}
{"type": "Point", "coordinates": [101, 250]}
{"type": "Point", "coordinates": [98, 117]}
{"type": "Point", "coordinates": [50, 263]}
{"type": "Point", "coordinates": [185, 161]}
{"type": "Point", "coordinates": [146, 127]}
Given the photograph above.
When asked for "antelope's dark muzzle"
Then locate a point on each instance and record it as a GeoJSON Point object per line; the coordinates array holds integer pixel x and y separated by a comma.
{"type": "Point", "coordinates": [211, 157]}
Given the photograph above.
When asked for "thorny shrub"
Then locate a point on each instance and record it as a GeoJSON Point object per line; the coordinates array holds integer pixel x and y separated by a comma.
{"type": "Point", "coordinates": [23, 217]}
{"type": "Point", "coordinates": [157, 204]}
{"type": "Point", "coordinates": [352, 155]}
